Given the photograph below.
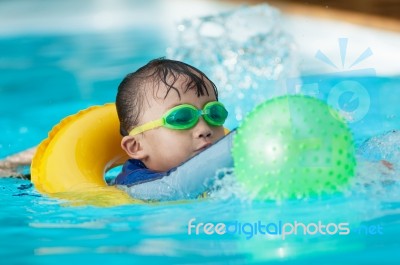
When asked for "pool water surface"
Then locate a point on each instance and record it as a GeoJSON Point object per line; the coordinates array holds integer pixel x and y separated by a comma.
{"type": "Point", "coordinates": [46, 77]}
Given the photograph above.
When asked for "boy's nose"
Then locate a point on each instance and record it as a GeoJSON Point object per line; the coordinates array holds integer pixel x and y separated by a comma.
{"type": "Point", "coordinates": [202, 129]}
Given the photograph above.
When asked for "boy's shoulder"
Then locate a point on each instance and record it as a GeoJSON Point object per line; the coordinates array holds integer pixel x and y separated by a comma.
{"type": "Point", "coordinates": [135, 172]}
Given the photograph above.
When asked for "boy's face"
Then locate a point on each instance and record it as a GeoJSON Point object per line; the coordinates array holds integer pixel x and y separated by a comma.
{"type": "Point", "coordinates": [161, 149]}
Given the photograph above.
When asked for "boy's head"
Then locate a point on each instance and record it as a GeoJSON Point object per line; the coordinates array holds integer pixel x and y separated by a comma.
{"type": "Point", "coordinates": [146, 95]}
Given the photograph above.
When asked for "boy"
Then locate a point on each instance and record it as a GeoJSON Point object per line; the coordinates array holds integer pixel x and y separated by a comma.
{"type": "Point", "coordinates": [166, 87]}
{"type": "Point", "coordinates": [143, 98]}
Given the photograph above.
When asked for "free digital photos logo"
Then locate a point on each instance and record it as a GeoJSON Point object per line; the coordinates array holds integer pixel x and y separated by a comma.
{"type": "Point", "coordinates": [344, 88]}
{"type": "Point", "coordinates": [280, 229]}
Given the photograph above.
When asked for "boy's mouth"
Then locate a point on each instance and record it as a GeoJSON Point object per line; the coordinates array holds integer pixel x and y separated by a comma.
{"type": "Point", "coordinates": [203, 147]}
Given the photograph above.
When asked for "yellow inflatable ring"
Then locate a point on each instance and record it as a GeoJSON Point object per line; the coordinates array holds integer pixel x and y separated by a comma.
{"type": "Point", "coordinates": [70, 164]}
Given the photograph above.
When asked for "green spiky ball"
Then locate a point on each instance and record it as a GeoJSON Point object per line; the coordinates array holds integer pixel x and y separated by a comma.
{"type": "Point", "coordinates": [293, 147]}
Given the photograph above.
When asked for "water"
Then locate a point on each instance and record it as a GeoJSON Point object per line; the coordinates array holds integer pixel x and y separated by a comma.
{"type": "Point", "coordinates": [248, 55]}
{"type": "Point", "coordinates": [46, 77]}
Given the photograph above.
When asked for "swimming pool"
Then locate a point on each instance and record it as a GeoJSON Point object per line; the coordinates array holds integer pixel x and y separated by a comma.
{"type": "Point", "coordinates": [47, 76]}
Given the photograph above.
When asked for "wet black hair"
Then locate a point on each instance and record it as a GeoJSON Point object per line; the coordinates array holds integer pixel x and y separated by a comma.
{"type": "Point", "coordinates": [131, 94]}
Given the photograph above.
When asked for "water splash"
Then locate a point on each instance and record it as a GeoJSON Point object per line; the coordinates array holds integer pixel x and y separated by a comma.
{"type": "Point", "coordinates": [382, 147]}
{"type": "Point", "coordinates": [226, 187]}
{"type": "Point", "coordinates": [244, 52]}
{"type": "Point", "coordinates": [378, 169]}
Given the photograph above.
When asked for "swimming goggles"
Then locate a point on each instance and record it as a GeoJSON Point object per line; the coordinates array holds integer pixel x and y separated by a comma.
{"type": "Point", "coordinates": [186, 116]}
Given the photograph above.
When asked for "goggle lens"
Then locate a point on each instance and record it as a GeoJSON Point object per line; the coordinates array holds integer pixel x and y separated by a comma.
{"type": "Point", "coordinates": [216, 114]}
{"type": "Point", "coordinates": [182, 118]}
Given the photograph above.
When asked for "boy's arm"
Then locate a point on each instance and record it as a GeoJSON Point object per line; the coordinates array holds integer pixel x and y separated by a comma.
{"type": "Point", "coordinates": [11, 165]}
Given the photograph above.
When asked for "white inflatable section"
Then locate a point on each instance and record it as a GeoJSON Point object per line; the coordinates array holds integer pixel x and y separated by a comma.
{"type": "Point", "coordinates": [189, 180]}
